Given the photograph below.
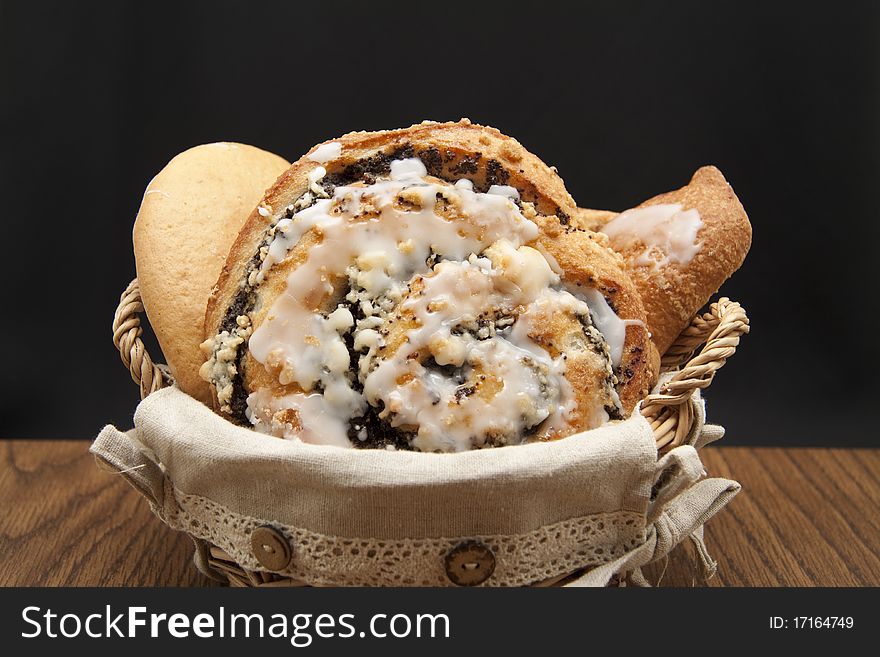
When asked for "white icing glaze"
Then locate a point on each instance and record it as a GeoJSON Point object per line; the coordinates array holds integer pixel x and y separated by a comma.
{"type": "Point", "coordinates": [456, 293]}
{"type": "Point", "coordinates": [326, 152]}
{"type": "Point", "coordinates": [375, 240]}
{"type": "Point", "coordinates": [666, 232]}
{"type": "Point", "coordinates": [504, 190]}
{"type": "Point", "coordinates": [317, 419]}
{"type": "Point", "coordinates": [315, 176]}
{"type": "Point", "coordinates": [606, 321]}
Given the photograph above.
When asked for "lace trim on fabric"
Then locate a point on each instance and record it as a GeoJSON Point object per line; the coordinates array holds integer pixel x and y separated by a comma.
{"type": "Point", "coordinates": [319, 560]}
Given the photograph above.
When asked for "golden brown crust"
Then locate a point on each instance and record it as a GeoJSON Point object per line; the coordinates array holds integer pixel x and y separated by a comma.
{"type": "Point", "coordinates": [484, 156]}
{"type": "Point", "coordinates": [592, 219]}
{"type": "Point", "coordinates": [584, 257]}
{"type": "Point", "coordinates": [191, 213]}
{"type": "Point", "coordinates": [673, 293]}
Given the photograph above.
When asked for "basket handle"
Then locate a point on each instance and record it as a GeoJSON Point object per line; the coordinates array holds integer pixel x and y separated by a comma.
{"type": "Point", "coordinates": [669, 411]}
{"type": "Point", "coordinates": [127, 332]}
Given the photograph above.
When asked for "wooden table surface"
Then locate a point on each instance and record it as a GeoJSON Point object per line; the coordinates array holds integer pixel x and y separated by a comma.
{"type": "Point", "coordinates": [805, 517]}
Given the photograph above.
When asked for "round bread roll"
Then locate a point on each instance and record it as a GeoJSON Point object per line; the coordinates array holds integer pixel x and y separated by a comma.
{"type": "Point", "coordinates": [424, 288]}
{"type": "Point", "coordinates": [190, 215]}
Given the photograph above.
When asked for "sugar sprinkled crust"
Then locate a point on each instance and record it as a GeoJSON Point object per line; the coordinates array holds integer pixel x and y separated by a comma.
{"type": "Point", "coordinates": [673, 289]}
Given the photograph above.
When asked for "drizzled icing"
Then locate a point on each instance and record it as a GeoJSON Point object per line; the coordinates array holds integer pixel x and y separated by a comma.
{"type": "Point", "coordinates": [326, 152]}
{"type": "Point", "coordinates": [507, 384]}
{"type": "Point", "coordinates": [466, 373]}
{"type": "Point", "coordinates": [606, 321]}
{"type": "Point", "coordinates": [666, 233]}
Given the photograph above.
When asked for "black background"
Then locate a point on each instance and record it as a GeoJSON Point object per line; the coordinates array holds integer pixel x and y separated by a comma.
{"type": "Point", "coordinates": [626, 99]}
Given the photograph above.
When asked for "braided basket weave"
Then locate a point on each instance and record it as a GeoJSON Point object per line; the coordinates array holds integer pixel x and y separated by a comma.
{"type": "Point", "coordinates": [698, 353]}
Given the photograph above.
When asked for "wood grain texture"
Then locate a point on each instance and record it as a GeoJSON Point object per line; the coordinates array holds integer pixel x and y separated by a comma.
{"type": "Point", "coordinates": [805, 517]}
{"type": "Point", "coordinates": [64, 522]}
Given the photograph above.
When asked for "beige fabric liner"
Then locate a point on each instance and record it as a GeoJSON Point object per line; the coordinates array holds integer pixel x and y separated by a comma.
{"type": "Point", "coordinates": [545, 509]}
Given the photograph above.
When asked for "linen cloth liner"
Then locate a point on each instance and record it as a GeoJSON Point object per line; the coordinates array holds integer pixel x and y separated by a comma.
{"type": "Point", "coordinates": [599, 498]}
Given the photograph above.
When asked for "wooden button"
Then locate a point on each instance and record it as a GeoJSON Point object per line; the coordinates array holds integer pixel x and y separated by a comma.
{"type": "Point", "coordinates": [470, 563]}
{"type": "Point", "coordinates": [270, 548]}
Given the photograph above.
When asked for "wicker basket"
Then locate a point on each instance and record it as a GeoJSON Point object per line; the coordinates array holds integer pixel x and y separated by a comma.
{"type": "Point", "coordinates": [670, 411]}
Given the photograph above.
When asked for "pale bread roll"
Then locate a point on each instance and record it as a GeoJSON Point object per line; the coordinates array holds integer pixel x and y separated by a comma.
{"type": "Point", "coordinates": [190, 215]}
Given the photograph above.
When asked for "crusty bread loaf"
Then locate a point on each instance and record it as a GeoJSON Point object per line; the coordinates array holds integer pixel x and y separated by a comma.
{"type": "Point", "coordinates": [190, 215]}
{"type": "Point", "coordinates": [243, 298]}
{"type": "Point", "coordinates": [673, 290]}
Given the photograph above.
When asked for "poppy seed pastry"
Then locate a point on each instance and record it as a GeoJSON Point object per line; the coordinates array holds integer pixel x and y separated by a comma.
{"type": "Point", "coordinates": [424, 288]}
{"type": "Point", "coordinates": [190, 215]}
